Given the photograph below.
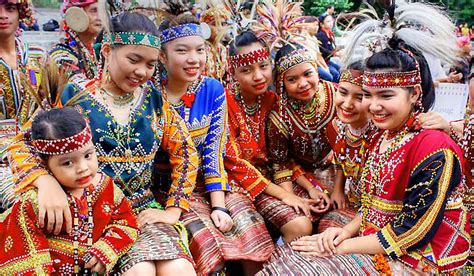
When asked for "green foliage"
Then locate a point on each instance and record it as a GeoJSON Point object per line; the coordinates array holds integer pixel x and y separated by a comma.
{"type": "Point", "coordinates": [53, 4]}
{"type": "Point", "coordinates": [317, 7]}
{"type": "Point", "coordinates": [461, 10]}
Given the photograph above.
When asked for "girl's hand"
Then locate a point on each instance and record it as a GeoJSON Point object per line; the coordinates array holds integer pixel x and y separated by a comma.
{"type": "Point", "coordinates": [52, 204]}
{"type": "Point", "coordinates": [322, 199]}
{"type": "Point", "coordinates": [338, 200]}
{"type": "Point", "coordinates": [308, 245]}
{"type": "Point", "coordinates": [169, 216]}
{"type": "Point", "coordinates": [432, 120]}
{"type": "Point", "coordinates": [298, 203]}
{"type": "Point", "coordinates": [331, 238]}
{"type": "Point", "coordinates": [95, 265]}
{"type": "Point", "coordinates": [222, 220]}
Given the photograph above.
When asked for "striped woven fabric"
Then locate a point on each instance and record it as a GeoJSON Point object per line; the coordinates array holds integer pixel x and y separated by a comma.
{"type": "Point", "coordinates": [285, 261]}
{"type": "Point", "coordinates": [247, 240]}
{"type": "Point", "coordinates": [336, 218]}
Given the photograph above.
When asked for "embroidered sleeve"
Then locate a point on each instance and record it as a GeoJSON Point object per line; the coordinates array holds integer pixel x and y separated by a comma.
{"type": "Point", "coordinates": [214, 147]}
{"type": "Point", "coordinates": [24, 246]}
{"type": "Point", "coordinates": [119, 235]}
{"type": "Point", "coordinates": [277, 137]}
{"type": "Point", "coordinates": [26, 166]}
{"type": "Point", "coordinates": [242, 172]}
{"type": "Point", "coordinates": [177, 142]}
{"type": "Point", "coordinates": [431, 183]}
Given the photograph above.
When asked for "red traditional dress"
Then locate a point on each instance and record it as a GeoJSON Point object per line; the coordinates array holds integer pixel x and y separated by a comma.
{"type": "Point", "coordinates": [246, 159]}
{"type": "Point", "coordinates": [350, 152]}
{"type": "Point", "coordinates": [27, 250]}
{"type": "Point", "coordinates": [297, 138]}
{"type": "Point", "coordinates": [414, 201]}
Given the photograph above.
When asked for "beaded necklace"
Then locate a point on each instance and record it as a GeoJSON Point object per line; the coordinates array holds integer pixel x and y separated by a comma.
{"type": "Point", "coordinates": [249, 112]}
{"type": "Point", "coordinates": [187, 99]}
{"type": "Point", "coordinates": [119, 102]}
{"type": "Point", "coordinates": [375, 170]}
{"type": "Point", "coordinates": [90, 225]}
{"type": "Point", "coordinates": [347, 138]}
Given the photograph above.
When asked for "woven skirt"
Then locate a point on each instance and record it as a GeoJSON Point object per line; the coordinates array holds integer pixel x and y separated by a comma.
{"type": "Point", "coordinates": [157, 242]}
{"type": "Point", "coordinates": [247, 240]}
{"type": "Point", "coordinates": [279, 213]}
{"type": "Point", "coordinates": [286, 261]}
{"type": "Point", "coordinates": [336, 218]}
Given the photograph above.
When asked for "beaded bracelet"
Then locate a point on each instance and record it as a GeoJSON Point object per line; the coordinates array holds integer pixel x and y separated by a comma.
{"type": "Point", "coordinates": [454, 134]}
{"type": "Point", "coordinates": [225, 210]}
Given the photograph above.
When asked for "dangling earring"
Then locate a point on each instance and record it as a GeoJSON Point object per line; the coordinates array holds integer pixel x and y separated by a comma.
{"type": "Point", "coordinates": [107, 77]}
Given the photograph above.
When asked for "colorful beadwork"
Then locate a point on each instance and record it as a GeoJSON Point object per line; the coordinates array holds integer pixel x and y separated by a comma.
{"type": "Point", "coordinates": [352, 76]}
{"type": "Point", "coordinates": [63, 146]}
{"type": "Point", "coordinates": [247, 59]}
{"type": "Point", "coordinates": [179, 31]}
{"type": "Point", "coordinates": [294, 58]}
{"type": "Point", "coordinates": [391, 79]}
{"type": "Point", "coordinates": [133, 38]}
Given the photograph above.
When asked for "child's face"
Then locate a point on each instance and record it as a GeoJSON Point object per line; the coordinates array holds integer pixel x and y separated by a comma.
{"type": "Point", "coordinates": [75, 170]}
{"type": "Point", "coordinates": [349, 105]}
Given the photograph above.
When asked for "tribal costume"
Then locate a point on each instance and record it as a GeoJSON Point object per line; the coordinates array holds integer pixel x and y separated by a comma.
{"type": "Point", "coordinates": [204, 109]}
{"type": "Point", "coordinates": [126, 153]}
{"type": "Point", "coordinates": [27, 250]}
{"type": "Point", "coordinates": [16, 104]}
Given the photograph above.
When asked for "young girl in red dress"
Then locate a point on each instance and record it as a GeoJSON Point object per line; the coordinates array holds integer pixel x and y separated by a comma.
{"type": "Point", "coordinates": [104, 226]}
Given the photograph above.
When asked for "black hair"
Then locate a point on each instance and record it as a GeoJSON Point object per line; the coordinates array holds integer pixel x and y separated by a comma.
{"type": "Point", "coordinates": [357, 65]}
{"type": "Point", "coordinates": [57, 123]}
{"type": "Point", "coordinates": [395, 58]}
{"type": "Point", "coordinates": [127, 22]}
{"type": "Point", "coordinates": [329, 7]}
{"type": "Point", "coordinates": [246, 38]}
{"type": "Point", "coordinates": [286, 50]}
{"type": "Point", "coordinates": [321, 19]}
{"type": "Point", "coordinates": [179, 20]}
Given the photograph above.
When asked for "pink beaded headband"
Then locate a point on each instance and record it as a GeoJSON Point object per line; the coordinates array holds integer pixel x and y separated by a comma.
{"type": "Point", "coordinates": [391, 79]}
{"type": "Point", "coordinates": [249, 58]}
{"type": "Point", "coordinates": [63, 146]}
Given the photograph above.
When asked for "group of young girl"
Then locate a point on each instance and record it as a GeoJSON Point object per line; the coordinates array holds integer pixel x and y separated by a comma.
{"type": "Point", "coordinates": [139, 172]}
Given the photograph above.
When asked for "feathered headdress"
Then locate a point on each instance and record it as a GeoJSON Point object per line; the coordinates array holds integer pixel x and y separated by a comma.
{"type": "Point", "coordinates": [282, 22]}
{"type": "Point", "coordinates": [238, 21]}
{"type": "Point", "coordinates": [423, 27]}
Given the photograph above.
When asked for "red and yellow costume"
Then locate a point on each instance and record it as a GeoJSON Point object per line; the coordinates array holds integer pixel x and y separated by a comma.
{"type": "Point", "coordinates": [26, 249]}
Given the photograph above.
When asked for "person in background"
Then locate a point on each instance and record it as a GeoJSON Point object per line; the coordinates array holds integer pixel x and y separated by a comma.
{"type": "Point", "coordinates": [327, 45]}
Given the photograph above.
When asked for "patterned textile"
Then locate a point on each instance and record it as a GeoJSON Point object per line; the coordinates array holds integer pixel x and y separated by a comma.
{"type": "Point", "coordinates": [247, 240]}
{"type": "Point", "coordinates": [75, 58]}
{"type": "Point", "coordinates": [285, 261]}
{"type": "Point", "coordinates": [156, 242]}
{"type": "Point", "coordinates": [336, 218]}
{"type": "Point", "coordinates": [294, 135]}
{"type": "Point", "coordinates": [246, 158]}
{"type": "Point", "coordinates": [279, 213]}
{"type": "Point", "coordinates": [7, 188]}
{"type": "Point", "coordinates": [27, 249]}
{"type": "Point", "coordinates": [206, 119]}
{"type": "Point", "coordinates": [15, 103]}
{"type": "Point", "coordinates": [126, 152]}
{"type": "Point", "coordinates": [415, 202]}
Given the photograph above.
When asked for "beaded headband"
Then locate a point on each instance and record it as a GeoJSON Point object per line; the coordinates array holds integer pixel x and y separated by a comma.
{"type": "Point", "coordinates": [352, 76]}
{"type": "Point", "coordinates": [133, 38]}
{"type": "Point", "coordinates": [391, 79]}
{"type": "Point", "coordinates": [63, 146]}
{"type": "Point", "coordinates": [249, 58]}
{"type": "Point", "coordinates": [179, 31]}
{"type": "Point", "coordinates": [294, 58]}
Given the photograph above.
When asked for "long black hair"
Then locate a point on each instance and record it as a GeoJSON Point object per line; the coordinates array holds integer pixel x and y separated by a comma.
{"type": "Point", "coordinates": [396, 58]}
